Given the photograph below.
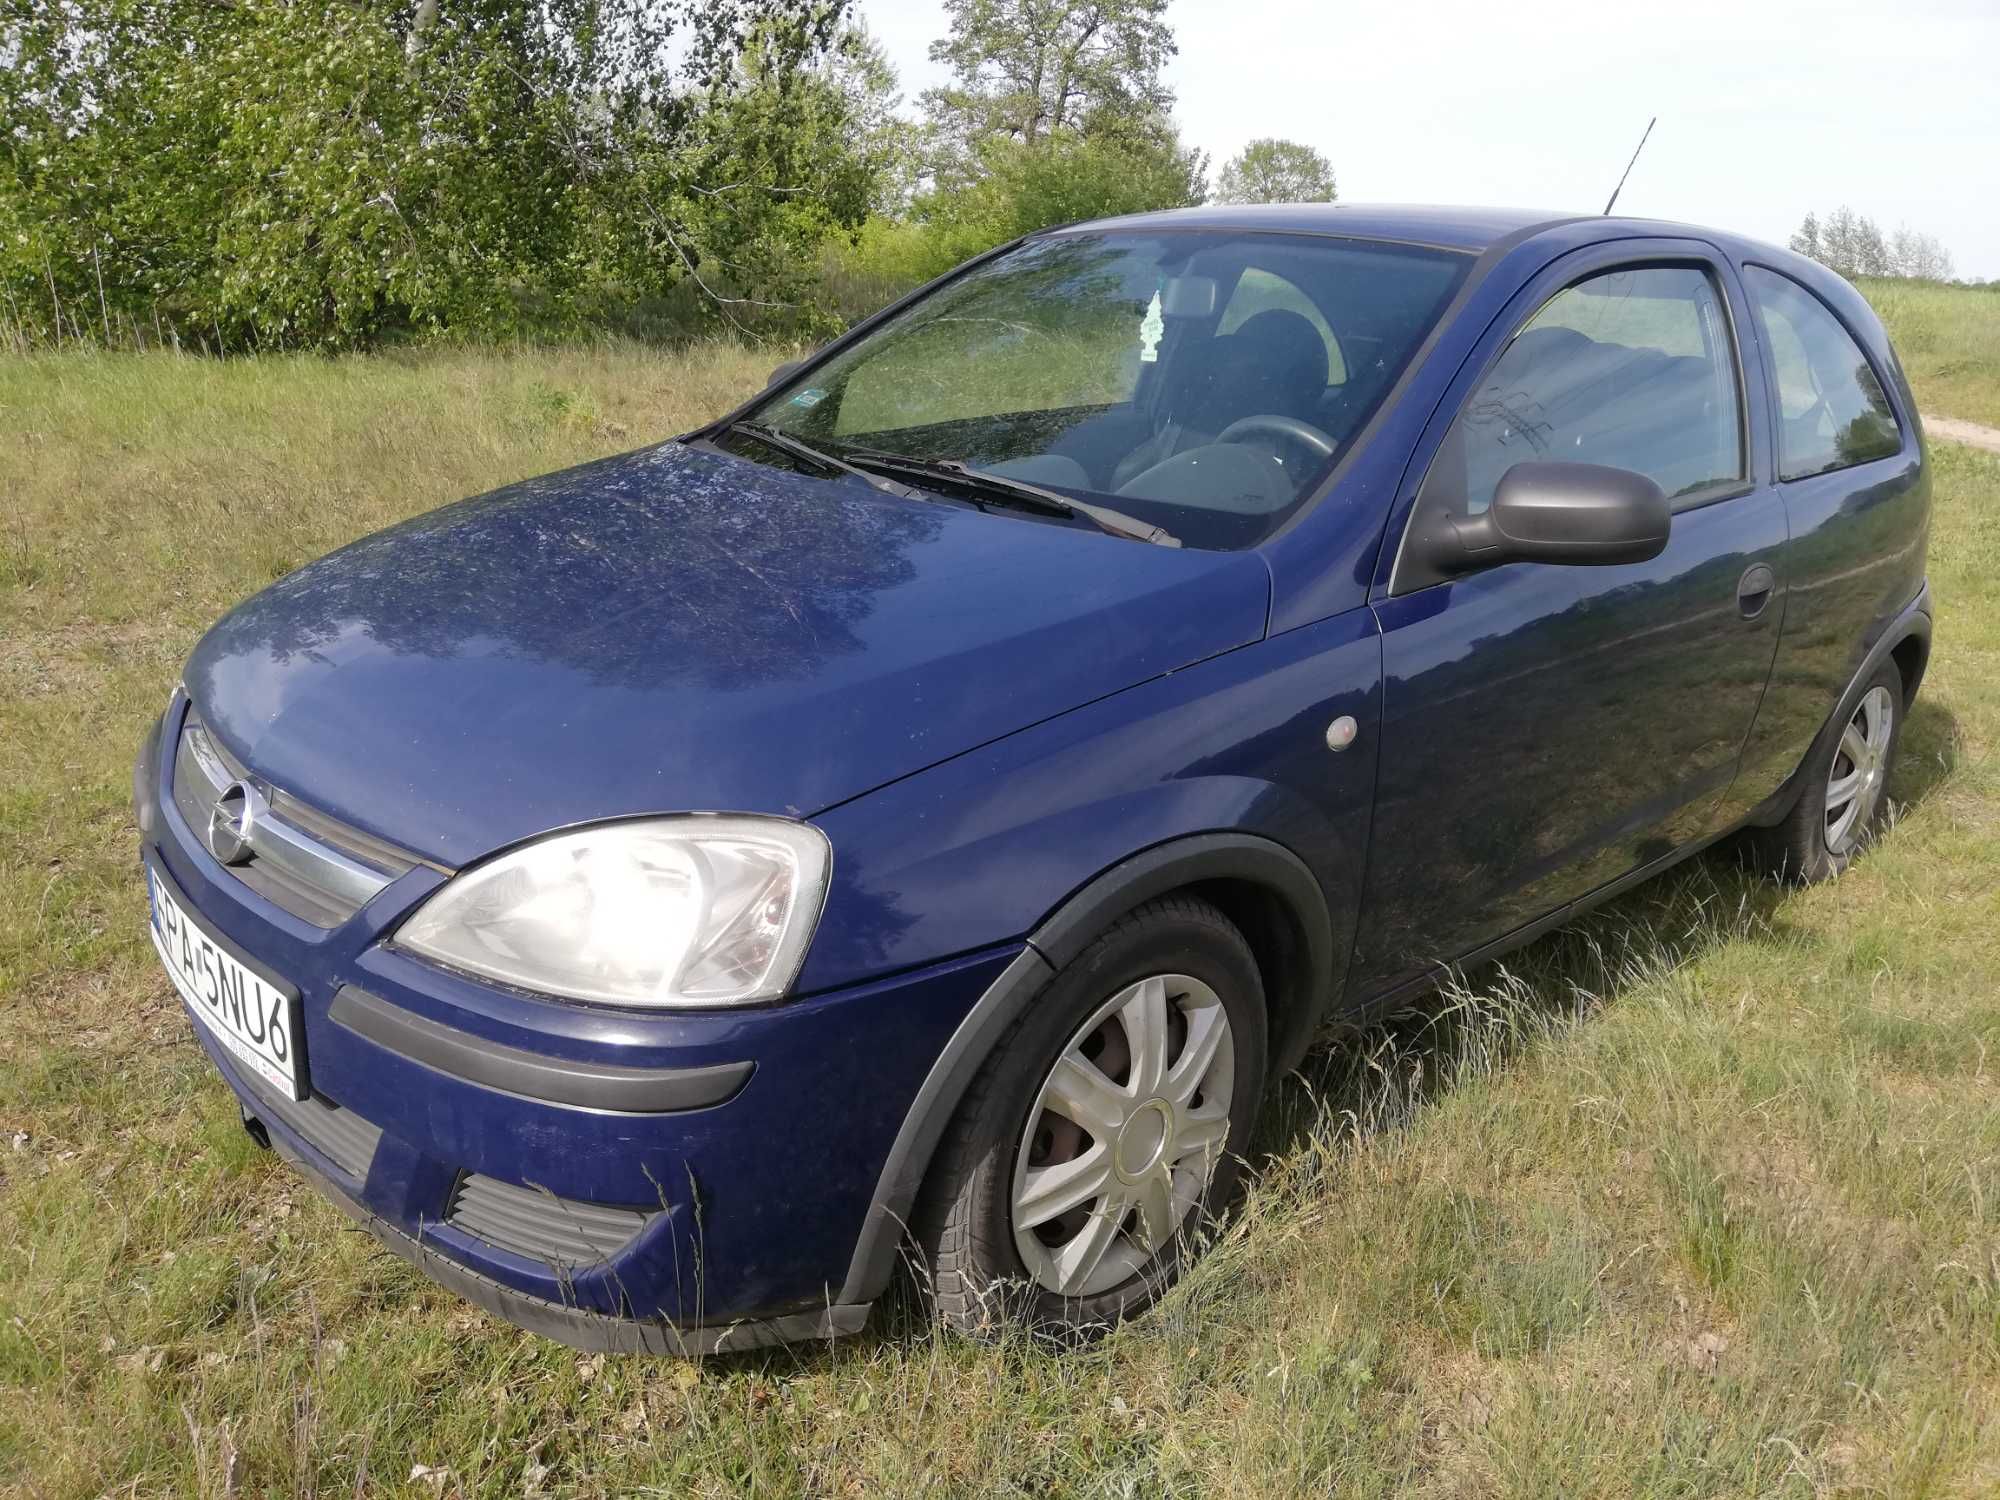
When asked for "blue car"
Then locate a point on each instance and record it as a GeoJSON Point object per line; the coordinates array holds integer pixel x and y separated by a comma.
{"type": "Point", "coordinates": [918, 815]}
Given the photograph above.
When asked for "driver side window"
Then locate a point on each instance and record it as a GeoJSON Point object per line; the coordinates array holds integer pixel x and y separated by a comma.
{"type": "Point", "coordinates": [1633, 368]}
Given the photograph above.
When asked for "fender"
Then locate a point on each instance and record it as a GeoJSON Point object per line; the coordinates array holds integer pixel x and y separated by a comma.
{"type": "Point", "coordinates": [1306, 975]}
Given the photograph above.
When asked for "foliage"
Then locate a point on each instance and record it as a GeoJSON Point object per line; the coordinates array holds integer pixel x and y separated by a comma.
{"type": "Point", "coordinates": [325, 173]}
{"type": "Point", "coordinates": [1023, 187]}
{"type": "Point", "coordinates": [1027, 70]}
{"type": "Point", "coordinates": [1853, 245]}
{"type": "Point", "coordinates": [1056, 113]}
{"type": "Point", "coordinates": [885, 143]}
{"type": "Point", "coordinates": [1271, 170]}
{"type": "Point", "coordinates": [330, 173]}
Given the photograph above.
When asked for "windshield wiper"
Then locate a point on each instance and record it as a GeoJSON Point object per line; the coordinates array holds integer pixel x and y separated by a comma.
{"type": "Point", "coordinates": [785, 443]}
{"type": "Point", "coordinates": [1019, 491]}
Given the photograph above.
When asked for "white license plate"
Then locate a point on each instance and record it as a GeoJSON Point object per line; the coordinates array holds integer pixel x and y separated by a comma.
{"type": "Point", "coordinates": [255, 1019]}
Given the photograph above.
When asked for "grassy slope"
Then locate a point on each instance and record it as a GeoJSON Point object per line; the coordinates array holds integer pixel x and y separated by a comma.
{"type": "Point", "coordinates": [1948, 339]}
{"type": "Point", "coordinates": [1701, 1198]}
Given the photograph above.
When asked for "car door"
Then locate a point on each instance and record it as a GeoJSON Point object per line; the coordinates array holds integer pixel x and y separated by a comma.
{"type": "Point", "coordinates": [1548, 728]}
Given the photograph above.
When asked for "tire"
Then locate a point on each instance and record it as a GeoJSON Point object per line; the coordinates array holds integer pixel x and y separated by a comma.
{"type": "Point", "coordinates": [1825, 830]}
{"type": "Point", "coordinates": [1174, 969]}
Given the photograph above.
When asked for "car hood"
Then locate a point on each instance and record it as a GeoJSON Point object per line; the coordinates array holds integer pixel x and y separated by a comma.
{"type": "Point", "coordinates": [677, 630]}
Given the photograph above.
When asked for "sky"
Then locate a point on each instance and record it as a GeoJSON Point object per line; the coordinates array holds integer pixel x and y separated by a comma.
{"type": "Point", "coordinates": [1768, 109]}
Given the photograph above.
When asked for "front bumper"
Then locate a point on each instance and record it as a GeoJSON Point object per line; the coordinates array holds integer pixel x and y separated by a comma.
{"type": "Point", "coordinates": [614, 1179]}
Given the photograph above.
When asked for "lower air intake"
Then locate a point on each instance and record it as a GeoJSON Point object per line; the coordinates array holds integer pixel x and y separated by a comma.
{"type": "Point", "coordinates": [539, 1225]}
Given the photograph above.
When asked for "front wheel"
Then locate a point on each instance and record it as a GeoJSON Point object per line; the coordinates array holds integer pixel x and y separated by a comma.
{"type": "Point", "coordinates": [1103, 1129]}
{"type": "Point", "coordinates": [1845, 793]}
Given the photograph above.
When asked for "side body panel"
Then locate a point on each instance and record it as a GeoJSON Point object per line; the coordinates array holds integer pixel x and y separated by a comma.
{"type": "Point", "coordinates": [992, 841]}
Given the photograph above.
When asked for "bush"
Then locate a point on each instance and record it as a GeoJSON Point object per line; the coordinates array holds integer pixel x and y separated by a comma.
{"type": "Point", "coordinates": [328, 174]}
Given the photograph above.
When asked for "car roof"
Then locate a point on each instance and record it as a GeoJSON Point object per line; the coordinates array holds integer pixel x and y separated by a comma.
{"type": "Point", "coordinates": [1452, 227]}
{"type": "Point", "coordinates": [1455, 228]}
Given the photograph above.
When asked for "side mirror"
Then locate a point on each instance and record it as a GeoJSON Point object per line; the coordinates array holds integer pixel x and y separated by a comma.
{"type": "Point", "coordinates": [1559, 513]}
{"type": "Point", "coordinates": [783, 373]}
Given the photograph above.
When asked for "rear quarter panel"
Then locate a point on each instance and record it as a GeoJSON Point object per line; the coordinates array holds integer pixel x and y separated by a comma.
{"type": "Point", "coordinates": [1859, 539]}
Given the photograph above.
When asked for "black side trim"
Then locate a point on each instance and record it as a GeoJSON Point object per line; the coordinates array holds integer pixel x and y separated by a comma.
{"type": "Point", "coordinates": [951, 1075]}
{"type": "Point", "coordinates": [1306, 989]}
{"type": "Point", "coordinates": [512, 1070]}
{"type": "Point", "coordinates": [574, 1326]}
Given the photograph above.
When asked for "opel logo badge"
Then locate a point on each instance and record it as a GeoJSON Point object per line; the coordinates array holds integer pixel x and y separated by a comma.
{"type": "Point", "coordinates": [232, 822]}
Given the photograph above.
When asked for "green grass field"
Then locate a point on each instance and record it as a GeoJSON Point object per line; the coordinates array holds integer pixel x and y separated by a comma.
{"type": "Point", "coordinates": [1699, 1198]}
{"type": "Point", "coordinates": [1948, 339]}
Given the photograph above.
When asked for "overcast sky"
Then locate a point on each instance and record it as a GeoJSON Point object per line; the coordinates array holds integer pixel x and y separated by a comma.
{"type": "Point", "coordinates": [1768, 108]}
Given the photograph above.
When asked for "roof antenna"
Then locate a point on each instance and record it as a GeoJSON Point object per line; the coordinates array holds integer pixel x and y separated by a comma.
{"type": "Point", "coordinates": [1628, 165]}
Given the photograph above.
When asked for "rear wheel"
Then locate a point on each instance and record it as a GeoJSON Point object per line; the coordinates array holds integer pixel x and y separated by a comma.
{"type": "Point", "coordinates": [1102, 1130]}
{"type": "Point", "coordinates": [1844, 797]}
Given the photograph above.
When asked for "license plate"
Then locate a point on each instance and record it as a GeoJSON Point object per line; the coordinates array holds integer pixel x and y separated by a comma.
{"type": "Point", "coordinates": [256, 1020]}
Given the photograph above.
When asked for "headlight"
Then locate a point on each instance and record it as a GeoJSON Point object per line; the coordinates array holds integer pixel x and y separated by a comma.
{"type": "Point", "coordinates": [698, 910]}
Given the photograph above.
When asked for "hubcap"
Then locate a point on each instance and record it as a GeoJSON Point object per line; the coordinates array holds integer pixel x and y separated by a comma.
{"type": "Point", "coordinates": [1860, 767]}
{"type": "Point", "coordinates": [1124, 1136]}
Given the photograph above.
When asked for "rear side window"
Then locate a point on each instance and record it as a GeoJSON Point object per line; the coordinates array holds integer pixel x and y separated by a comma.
{"type": "Point", "coordinates": [1832, 409]}
{"type": "Point", "coordinates": [1634, 369]}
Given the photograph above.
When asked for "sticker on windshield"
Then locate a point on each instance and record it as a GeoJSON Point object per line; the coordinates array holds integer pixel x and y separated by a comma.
{"type": "Point", "coordinates": [1150, 333]}
{"type": "Point", "coordinates": [810, 396]}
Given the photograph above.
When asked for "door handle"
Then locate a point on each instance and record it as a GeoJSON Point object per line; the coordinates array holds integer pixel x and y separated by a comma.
{"type": "Point", "coordinates": [1753, 591]}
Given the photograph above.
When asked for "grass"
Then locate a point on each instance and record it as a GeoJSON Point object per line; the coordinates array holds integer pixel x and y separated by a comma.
{"type": "Point", "coordinates": [1948, 339]}
{"type": "Point", "coordinates": [1699, 1198]}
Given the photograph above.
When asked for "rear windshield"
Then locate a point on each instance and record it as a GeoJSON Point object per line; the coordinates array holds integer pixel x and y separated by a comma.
{"type": "Point", "coordinates": [1198, 380]}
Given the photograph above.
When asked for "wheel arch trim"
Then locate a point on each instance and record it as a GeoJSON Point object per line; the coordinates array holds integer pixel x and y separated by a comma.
{"type": "Point", "coordinates": [1192, 860]}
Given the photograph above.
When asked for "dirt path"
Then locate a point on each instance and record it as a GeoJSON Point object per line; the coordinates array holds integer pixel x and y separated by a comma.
{"type": "Point", "coordinates": [1963, 432]}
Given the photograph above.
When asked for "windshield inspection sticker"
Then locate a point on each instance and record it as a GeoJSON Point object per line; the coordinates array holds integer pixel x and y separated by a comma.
{"type": "Point", "coordinates": [1150, 333]}
{"type": "Point", "coordinates": [810, 396]}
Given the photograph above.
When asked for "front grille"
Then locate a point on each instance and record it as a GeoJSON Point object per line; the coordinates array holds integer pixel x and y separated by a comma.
{"type": "Point", "coordinates": [340, 1135]}
{"type": "Point", "coordinates": [539, 1225]}
{"type": "Point", "coordinates": [319, 870]}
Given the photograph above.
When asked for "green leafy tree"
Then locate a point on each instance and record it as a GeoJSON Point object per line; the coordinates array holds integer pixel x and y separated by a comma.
{"type": "Point", "coordinates": [1272, 170]}
{"type": "Point", "coordinates": [886, 143]}
{"type": "Point", "coordinates": [1056, 112]}
{"type": "Point", "coordinates": [1024, 188]}
{"type": "Point", "coordinates": [292, 172]}
{"type": "Point", "coordinates": [1027, 71]}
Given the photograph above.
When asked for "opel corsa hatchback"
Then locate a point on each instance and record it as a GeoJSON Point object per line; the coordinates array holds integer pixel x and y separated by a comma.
{"type": "Point", "coordinates": [921, 812]}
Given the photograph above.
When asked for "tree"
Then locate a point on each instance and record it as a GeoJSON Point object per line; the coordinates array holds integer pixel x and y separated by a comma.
{"type": "Point", "coordinates": [1805, 240]}
{"type": "Point", "coordinates": [1853, 245]}
{"type": "Point", "coordinates": [1022, 188]}
{"type": "Point", "coordinates": [326, 172]}
{"type": "Point", "coordinates": [1921, 256]}
{"type": "Point", "coordinates": [1271, 170]}
{"type": "Point", "coordinates": [884, 142]}
{"type": "Point", "coordinates": [1030, 70]}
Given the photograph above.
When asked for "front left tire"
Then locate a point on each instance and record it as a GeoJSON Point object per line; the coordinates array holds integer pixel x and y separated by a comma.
{"type": "Point", "coordinates": [1103, 1132]}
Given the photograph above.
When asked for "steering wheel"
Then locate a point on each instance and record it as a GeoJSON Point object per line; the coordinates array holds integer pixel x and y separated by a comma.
{"type": "Point", "coordinates": [1270, 423]}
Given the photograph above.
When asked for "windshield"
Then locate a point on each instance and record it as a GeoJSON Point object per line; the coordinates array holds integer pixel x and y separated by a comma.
{"type": "Point", "coordinates": [1200, 381]}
